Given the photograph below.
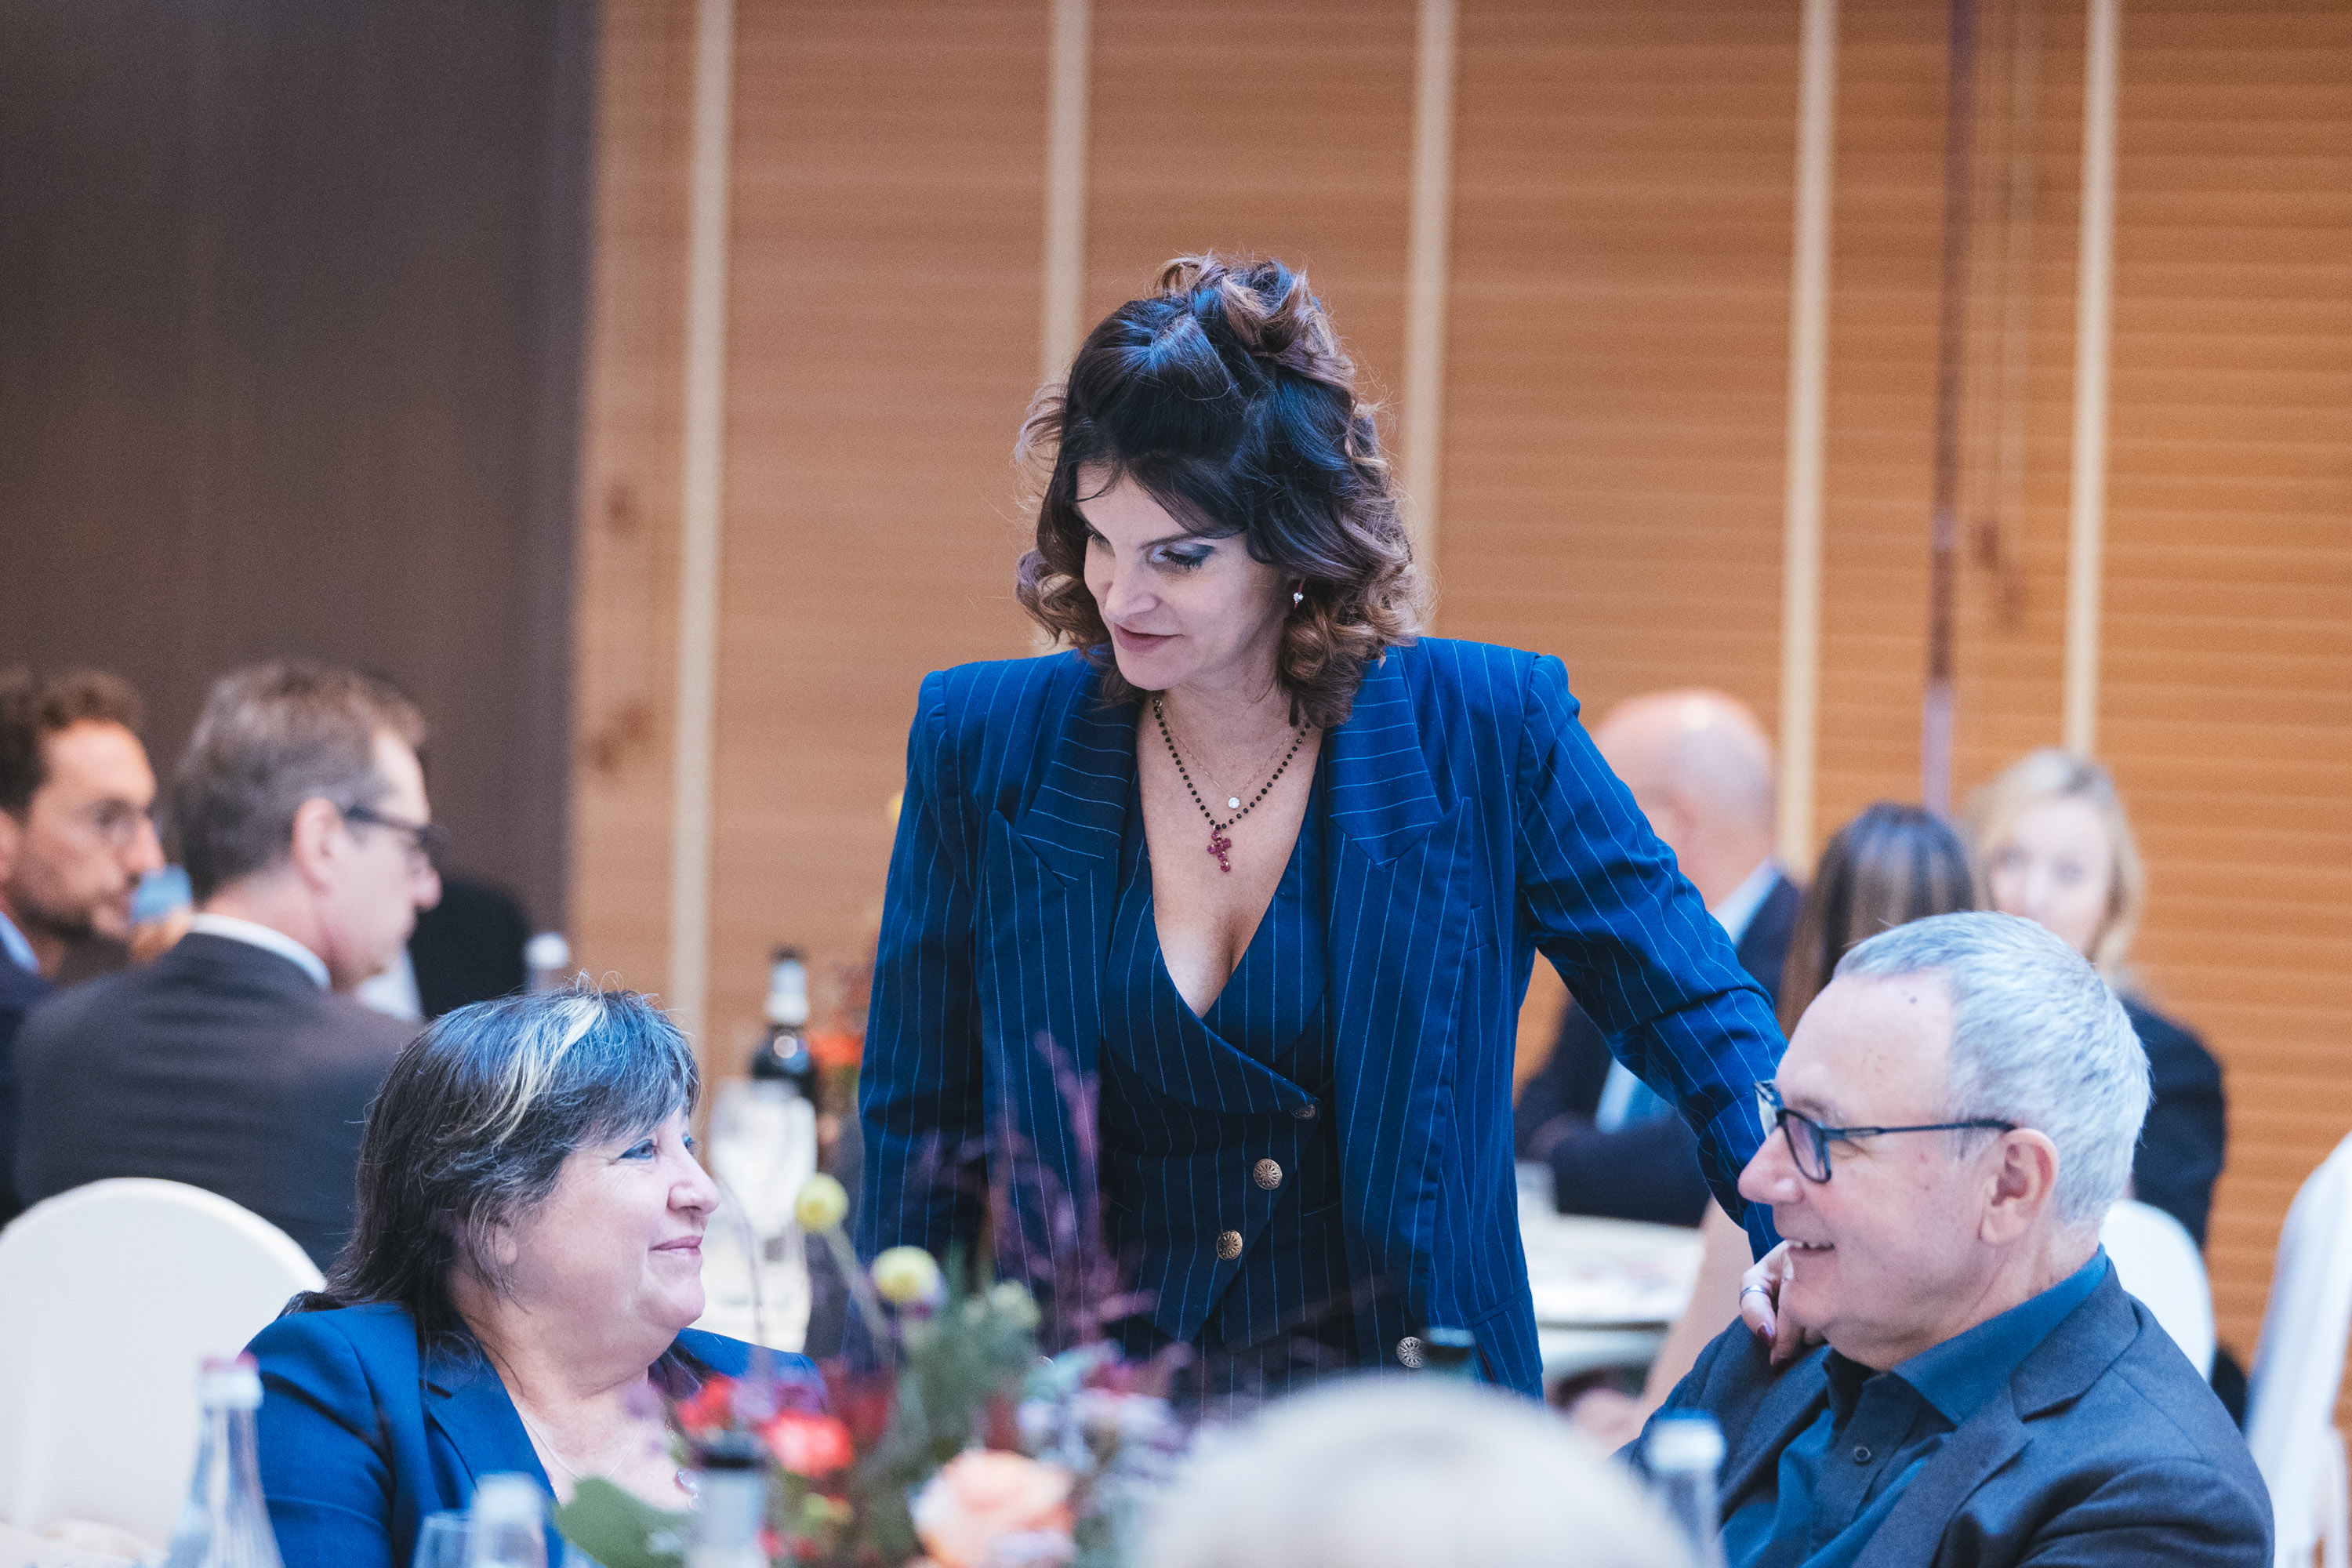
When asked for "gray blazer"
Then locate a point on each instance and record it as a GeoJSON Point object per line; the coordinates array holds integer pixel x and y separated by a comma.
{"type": "Point", "coordinates": [2108, 1448]}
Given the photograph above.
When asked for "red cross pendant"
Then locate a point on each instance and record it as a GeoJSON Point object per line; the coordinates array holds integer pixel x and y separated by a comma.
{"type": "Point", "coordinates": [1218, 845]}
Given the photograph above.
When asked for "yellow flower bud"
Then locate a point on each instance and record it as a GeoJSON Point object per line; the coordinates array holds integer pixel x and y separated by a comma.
{"type": "Point", "coordinates": [905, 1275]}
{"type": "Point", "coordinates": [822, 1204]}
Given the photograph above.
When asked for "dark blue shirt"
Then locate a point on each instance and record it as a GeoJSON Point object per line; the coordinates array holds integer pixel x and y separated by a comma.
{"type": "Point", "coordinates": [1838, 1479]}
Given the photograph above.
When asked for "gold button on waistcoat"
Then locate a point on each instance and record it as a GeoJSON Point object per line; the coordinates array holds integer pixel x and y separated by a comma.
{"type": "Point", "coordinates": [1229, 1245]}
{"type": "Point", "coordinates": [1408, 1351]}
{"type": "Point", "coordinates": [1267, 1174]}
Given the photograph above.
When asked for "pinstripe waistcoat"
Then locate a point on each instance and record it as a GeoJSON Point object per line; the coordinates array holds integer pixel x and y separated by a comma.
{"type": "Point", "coordinates": [1470, 822]}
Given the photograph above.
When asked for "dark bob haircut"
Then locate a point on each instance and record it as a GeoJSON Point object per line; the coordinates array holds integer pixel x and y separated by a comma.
{"type": "Point", "coordinates": [1892, 865]}
{"type": "Point", "coordinates": [1225, 396]}
{"type": "Point", "coordinates": [473, 1125]}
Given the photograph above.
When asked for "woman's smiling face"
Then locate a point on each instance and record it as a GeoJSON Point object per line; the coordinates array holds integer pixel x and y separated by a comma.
{"type": "Point", "coordinates": [1182, 610]}
{"type": "Point", "coordinates": [621, 1233]}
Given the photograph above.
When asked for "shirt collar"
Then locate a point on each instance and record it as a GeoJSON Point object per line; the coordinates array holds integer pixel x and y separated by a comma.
{"type": "Point", "coordinates": [1738, 907]}
{"type": "Point", "coordinates": [1960, 1374]}
{"type": "Point", "coordinates": [267, 938]}
{"type": "Point", "coordinates": [18, 950]}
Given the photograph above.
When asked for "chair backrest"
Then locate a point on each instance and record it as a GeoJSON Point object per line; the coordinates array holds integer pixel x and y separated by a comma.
{"type": "Point", "coordinates": [2156, 1259]}
{"type": "Point", "coordinates": [109, 1297]}
{"type": "Point", "coordinates": [2291, 1404]}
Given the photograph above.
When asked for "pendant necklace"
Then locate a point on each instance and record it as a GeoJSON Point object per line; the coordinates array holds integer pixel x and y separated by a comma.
{"type": "Point", "coordinates": [1218, 843]}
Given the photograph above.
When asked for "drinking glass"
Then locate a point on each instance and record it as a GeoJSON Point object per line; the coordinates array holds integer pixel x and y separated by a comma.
{"type": "Point", "coordinates": [441, 1541]}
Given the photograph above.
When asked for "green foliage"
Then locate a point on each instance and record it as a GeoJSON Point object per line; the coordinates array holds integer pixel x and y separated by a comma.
{"type": "Point", "coordinates": [620, 1530]}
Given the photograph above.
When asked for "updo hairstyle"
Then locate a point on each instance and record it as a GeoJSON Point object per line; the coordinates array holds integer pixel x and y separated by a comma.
{"type": "Point", "coordinates": [1224, 395]}
{"type": "Point", "coordinates": [472, 1127]}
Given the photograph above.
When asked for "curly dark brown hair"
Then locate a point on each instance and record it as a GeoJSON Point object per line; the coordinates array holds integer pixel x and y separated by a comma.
{"type": "Point", "coordinates": [1224, 395]}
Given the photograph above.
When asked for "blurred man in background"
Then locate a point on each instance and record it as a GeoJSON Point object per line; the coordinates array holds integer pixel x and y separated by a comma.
{"type": "Point", "coordinates": [233, 1063]}
{"type": "Point", "coordinates": [75, 839]}
{"type": "Point", "coordinates": [1701, 770]}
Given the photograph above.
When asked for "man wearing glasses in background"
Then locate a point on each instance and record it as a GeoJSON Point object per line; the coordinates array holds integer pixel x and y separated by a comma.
{"type": "Point", "coordinates": [234, 1062]}
{"type": "Point", "coordinates": [75, 839]}
{"type": "Point", "coordinates": [1957, 1113]}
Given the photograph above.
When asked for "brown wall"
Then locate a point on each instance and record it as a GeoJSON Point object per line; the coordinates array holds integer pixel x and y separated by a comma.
{"type": "Point", "coordinates": [1617, 312]}
{"type": "Point", "coordinates": [289, 320]}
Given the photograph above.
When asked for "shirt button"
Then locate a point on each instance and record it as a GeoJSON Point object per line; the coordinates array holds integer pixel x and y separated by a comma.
{"type": "Point", "coordinates": [1408, 1351]}
{"type": "Point", "coordinates": [1267, 1174]}
{"type": "Point", "coordinates": [1307, 1111]}
{"type": "Point", "coordinates": [1862, 1456]}
{"type": "Point", "coordinates": [1229, 1245]}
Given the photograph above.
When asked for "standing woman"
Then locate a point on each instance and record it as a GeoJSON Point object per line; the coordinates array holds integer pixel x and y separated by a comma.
{"type": "Point", "coordinates": [2054, 844]}
{"type": "Point", "coordinates": [1269, 871]}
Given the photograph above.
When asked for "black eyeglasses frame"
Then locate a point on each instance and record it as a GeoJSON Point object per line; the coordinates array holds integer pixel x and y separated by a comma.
{"type": "Point", "coordinates": [1777, 1116]}
{"type": "Point", "coordinates": [427, 840]}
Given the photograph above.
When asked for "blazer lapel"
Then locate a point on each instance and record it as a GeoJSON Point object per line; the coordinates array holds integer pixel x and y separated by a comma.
{"type": "Point", "coordinates": [1795, 1400]}
{"type": "Point", "coordinates": [464, 1398]}
{"type": "Point", "coordinates": [1401, 924]}
{"type": "Point", "coordinates": [2076, 1354]}
{"type": "Point", "coordinates": [1048, 893]}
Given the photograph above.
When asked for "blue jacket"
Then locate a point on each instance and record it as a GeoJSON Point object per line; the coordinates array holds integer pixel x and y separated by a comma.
{"type": "Point", "coordinates": [1471, 824]}
{"type": "Point", "coordinates": [2104, 1447]}
{"type": "Point", "coordinates": [361, 1436]}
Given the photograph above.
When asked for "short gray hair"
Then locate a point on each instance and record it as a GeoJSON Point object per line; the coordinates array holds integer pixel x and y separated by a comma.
{"type": "Point", "coordinates": [1395, 1472]}
{"type": "Point", "coordinates": [2037, 1039]}
{"type": "Point", "coordinates": [270, 736]}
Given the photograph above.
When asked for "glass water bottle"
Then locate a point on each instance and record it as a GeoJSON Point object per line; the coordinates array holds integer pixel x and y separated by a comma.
{"type": "Point", "coordinates": [225, 1524]}
{"type": "Point", "coordinates": [1683, 1453]}
{"type": "Point", "coordinates": [508, 1525]}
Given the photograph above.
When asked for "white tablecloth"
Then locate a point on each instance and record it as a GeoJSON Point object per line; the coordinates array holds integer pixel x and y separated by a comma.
{"type": "Point", "coordinates": [1605, 1289]}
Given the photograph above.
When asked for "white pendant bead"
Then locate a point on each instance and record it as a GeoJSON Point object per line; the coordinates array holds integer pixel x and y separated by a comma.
{"type": "Point", "coordinates": [1232, 803]}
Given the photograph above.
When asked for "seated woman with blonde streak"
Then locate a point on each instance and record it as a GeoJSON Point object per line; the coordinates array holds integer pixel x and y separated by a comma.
{"type": "Point", "coordinates": [517, 1292]}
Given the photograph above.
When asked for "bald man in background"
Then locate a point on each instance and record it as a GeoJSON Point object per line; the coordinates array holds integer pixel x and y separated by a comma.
{"type": "Point", "coordinates": [1701, 769]}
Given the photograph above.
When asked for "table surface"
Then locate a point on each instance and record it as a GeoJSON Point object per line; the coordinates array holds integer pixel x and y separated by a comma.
{"type": "Point", "coordinates": [21, 1548]}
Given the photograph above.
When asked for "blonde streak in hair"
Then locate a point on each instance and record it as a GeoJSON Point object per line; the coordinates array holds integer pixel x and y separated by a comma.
{"type": "Point", "coordinates": [535, 1064]}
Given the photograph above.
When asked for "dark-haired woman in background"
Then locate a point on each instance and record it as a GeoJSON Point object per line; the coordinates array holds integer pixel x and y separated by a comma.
{"type": "Point", "coordinates": [527, 1256]}
{"type": "Point", "coordinates": [1271, 872]}
{"type": "Point", "coordinates": [1890, 866]}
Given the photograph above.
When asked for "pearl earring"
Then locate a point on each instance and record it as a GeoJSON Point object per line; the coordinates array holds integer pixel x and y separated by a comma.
{"type": "Point", "coordinates": [1296, 598]}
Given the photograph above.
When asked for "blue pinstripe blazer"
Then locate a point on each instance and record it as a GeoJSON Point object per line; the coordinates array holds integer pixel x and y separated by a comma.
{"type": "Point", "coordinates": [1470, 823]}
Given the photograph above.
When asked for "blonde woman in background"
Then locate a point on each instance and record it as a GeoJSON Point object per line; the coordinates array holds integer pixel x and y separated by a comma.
{"type": "Point", "coordinates": [2054, 844]}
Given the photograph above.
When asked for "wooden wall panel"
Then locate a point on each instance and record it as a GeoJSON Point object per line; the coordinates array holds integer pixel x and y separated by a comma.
{"type": "Point", "coordinates": [888, 209]}
{"type": "Point", "coordinates": [1617, 368]}
{"type": "Point", "coordinates": [625, 640]}
{"type": "Point", "coordinates": [1282, 129]}
{"type": "Point", "coordinates": [2226, 706]}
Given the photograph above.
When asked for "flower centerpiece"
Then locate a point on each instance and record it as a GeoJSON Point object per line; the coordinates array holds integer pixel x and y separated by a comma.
{"type": "Point", "coordinates": [963, 1447]}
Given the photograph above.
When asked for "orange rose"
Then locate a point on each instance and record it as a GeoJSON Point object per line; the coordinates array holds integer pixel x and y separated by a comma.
{"type": "Point", "coordinates": [983, 1495]}
{"type": "Point", "coordinates": [808, 1445]}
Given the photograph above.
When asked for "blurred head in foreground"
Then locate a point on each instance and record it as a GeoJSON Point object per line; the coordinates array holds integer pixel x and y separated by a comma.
{"type": "Point", "coordinates": [2054, 844]}
{"type": "Point", "coordinates": [1390, 1472]}
{"type": "Point", "coordinates": [1890, 866]}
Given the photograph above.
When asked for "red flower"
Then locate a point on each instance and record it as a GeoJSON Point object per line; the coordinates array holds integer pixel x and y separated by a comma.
{"type": "Point", "coordinates": [711, 1407]}
{"type": "Point", "coordinates": [809, 1445]}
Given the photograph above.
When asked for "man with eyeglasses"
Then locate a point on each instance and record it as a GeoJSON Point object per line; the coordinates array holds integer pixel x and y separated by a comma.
{"type": "Point", "coordinates": [236, 1062]}
{"type": "Point", "coordinates": [1955, 1116]}
{"type": "Point", "coordinates": [75, 839]}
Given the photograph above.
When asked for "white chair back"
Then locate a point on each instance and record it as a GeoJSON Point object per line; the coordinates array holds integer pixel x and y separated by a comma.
{"type": "Point", "coordinates": [2291, 1406]}
{"type": "Point", "coordinates": [2157, 1261]}
{"type": "Point", "coordinates": [109, 1297]}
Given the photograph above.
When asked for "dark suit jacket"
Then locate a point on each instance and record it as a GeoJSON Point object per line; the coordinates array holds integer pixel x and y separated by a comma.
{"type": "Point", "coordinates": [2106, 1447]}
{"type": "Point", "coordinates": [1470, 824]}
{"type": "Point", "coordinates": [19, 990]}
{"type": "Point", "coordinates": [362, 1433]}
{"type": "Point", "coordinates": [469, 947]}
{"type": "Point", "coordinates": [2186, 1132]}
{"type": "Point", "coordinates": [1648, 1171]}
{"type": "Point", "coordinates": [220, 1065]}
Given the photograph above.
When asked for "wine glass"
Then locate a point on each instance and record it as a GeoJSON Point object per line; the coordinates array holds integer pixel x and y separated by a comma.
{"type": "Point", "coordinates": [442, 1541]}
